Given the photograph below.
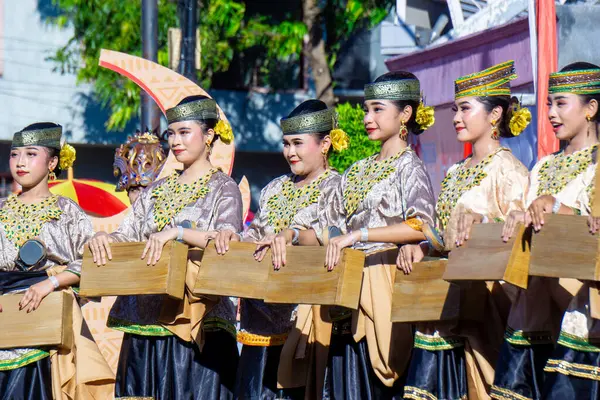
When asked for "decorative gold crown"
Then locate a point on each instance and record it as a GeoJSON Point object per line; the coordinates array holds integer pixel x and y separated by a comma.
{"type": "Point", "coordinates": [578, 82]}
{"type": "Point", "coordinates": [402, 89]}
{"type": "Point", "coordinates": [46, 137]}
{"type": "Point", "coordinates": [138, 161]}
{"type": "Point", "coordinates": [494, 81]}
{"type": "Point", "coordinates": [194, 110]}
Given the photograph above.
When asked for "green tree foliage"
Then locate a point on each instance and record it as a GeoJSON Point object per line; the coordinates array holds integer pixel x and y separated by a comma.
{"type": "Point", "coordinates": [351, 121]}
{"type": "Point", "coordinates": [225, 29]}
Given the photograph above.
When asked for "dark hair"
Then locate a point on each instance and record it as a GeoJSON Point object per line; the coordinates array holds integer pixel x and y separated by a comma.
{"type": "Point", "coordinates": [307, 107]}
{"type": "Point", "coordinates": [411, 124]}
{"type": "Point", "coordinates": [52, 152]}
{"type": "Point", "coordinates": [578, 66]}
{"type": "Point", "coordinates": [506, 103]}
{"type": "Point", "coordinates": [205, 124]}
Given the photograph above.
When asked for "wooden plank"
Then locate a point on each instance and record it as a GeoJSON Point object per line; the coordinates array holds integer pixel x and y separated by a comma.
{"type": "Point", "coordinates": [486, 257]}
{"type": "Point", "coordinates": [423, 295]}
{"type": "Point", "coordinates": [564, 248]}
{"type": "Point", "coordinates": [128, 274]}
{"type": "Point", "coordinates": [236, 273]}
{"type": "Point", "coordinates": [305, 280]}
{"type": "Point", "coordinates": [50, 325]}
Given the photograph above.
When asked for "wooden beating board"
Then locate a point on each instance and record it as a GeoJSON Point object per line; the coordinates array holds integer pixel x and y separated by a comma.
{"type": "Point", "coordinates": [304, 280]}
{"type": "Point", "coordinates": [128, 274]}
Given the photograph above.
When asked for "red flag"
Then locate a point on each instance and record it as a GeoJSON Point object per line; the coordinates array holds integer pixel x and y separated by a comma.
{"type": "Point", "coordinates": [547, 50]}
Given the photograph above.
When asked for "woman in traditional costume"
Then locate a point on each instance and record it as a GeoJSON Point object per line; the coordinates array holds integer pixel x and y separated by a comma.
{"type": "Point", "coordinates": [383, 200]}
{"type": "Point", "coordinates": [179, 349]}
{"type": "Point", "coordinates": [289, 207]}
{"type": "Point", "coordinates": [561, 183]}
{"type": "Point", "coordinates": [138, 162]}
{"type": "Point", "coordinates": [30, 222]}
{"type": "Point", "coordinates": [447, 361]}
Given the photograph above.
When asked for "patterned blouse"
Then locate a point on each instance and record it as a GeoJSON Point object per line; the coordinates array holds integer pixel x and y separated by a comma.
{"type": "Point", "coordinates": [62, 226]}
{"type": "Point", "coordinates": [213, 202]}
{"type": "Point", "coordinates": [381, 193]}
{"type": "Point", "coordinates": [282, 205]}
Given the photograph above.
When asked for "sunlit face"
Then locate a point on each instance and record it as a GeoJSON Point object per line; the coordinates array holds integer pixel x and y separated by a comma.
{"type": "Point", "coordinates": [383, 119]}
{"type": "Point", "coordinates": [567, 113]}
{"type": "Point", "coordinates": [30, 165]}
{"type": "Point", "coordinates": [471, 120]}
{"type": "Point", "coordinates": [133, 193]}
{"type": "Point", "coordinates": [187, 142]}
{"type": "Point", "coordinates": [303, 153]}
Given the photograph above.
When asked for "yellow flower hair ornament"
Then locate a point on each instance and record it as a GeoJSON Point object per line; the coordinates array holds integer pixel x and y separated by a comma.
{"type": "Point", "coordinates": [67, 156]}
{"type": "Point", "coordinates": [425, 116]}
{"type": "Point", "coordinates": [223, 129]}
{"type": "Point", "coordinates": [521, 117]}
{"type": "Point", "coordinates": [339, 139]}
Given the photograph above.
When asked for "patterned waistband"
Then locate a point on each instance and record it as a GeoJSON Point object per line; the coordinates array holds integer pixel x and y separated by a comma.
{"type": "Point", "coordinates": [573, 369]}
{"type": "Point", "coordinates": [520, 338]}
{"type": "Point", "coordinates": [577, 343]}
{"type": "Point", "coordinates": [251, 339]}
{"type": "Point", "coordinates": [22, 360]}
{"type": "Point", "coordinates": [434, 343]}
{"type": "Point", "coordinates": [499, 393]}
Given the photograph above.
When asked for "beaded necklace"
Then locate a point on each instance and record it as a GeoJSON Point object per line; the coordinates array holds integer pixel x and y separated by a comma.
{"type": "Point", "coordinates": [365, 174]}
{"type": "Point", "coordinates": [172, 196]}
{"type": "Point", "coordinates": [284, 205]}
{"type": "Point", "coordinates": [458, 182]}
{"type": "Point", "coordinates": [24, 221]}
{"type": "Point", "coordinates": [560, 169]}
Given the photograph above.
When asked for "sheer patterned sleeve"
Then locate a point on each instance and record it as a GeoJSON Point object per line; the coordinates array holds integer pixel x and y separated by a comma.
{"type": "Point", "coordinates": [256, 230]}
{"type": "Point", "coordinates": [80, 231]}
{"type": "Point", "coordinates": [416, 191]}
{"type": "Point", "coordinates": [512, 186]}
{"type": "Point", "coordinates": [132, 227]}
{"type": "Point", "coordinates": [330, 210]}
{"type": "Point", "coordinates": [228, 211]}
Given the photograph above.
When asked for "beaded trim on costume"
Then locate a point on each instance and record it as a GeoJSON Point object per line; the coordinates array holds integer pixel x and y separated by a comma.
{"type": "Point", "coordinates": [521, 338]}
{"type": "Point", "coordinates": [458, 182]}
{"type": "Point", "coordinates": [434, 343]}
{"type": "Point", "coordinates": [251, 339]}
{"type": "Point", "coordinates": [23, 360]}
{"type": "Point", "coordinates": [365, 174]}
{"type": "Point", "coordinates": [577, 343]}
{"type": "Point", "coordinates": [573, 369]}
{"type": "Point", "coordinates": [24, 221]}
{"type": "Point", "coordinates": [284, 205]}
{"type": "Point", "coordinates": [172, 196]}
{"type": "Point", "coordinates": [137, 329]}
{"type": "Point", "coordinates": [560, 169]}
{"type": "Point", "coordinates": [499, 393]}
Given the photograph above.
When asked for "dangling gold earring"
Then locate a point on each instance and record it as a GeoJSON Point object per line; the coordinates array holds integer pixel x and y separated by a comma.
{"type": "Point", "coordinates": [495, 133]}
{"type": "Point", "coordinates": [324, 152]}
{"type": "Point", "coordinates": [403, 131]}
{"type": "Point", "coordinates": [51, 176]}
{"type": "Point", "coordinates": [589, 119]}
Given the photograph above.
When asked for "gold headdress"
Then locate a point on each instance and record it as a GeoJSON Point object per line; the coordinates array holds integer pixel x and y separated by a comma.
{"type": "Point", "coordinates": [402, 89]}
{"type": "Point", "coordinates": [47, 137]}
{"type": "Point", "coordinates": [494, 81]}
{"type": "Point", "coordinates": [318, 121]}
{"type": "Point", "coordinates": [200, 110]}
{"type": "Point", "coordinates": [576, 82]}
{"type": "Point", "coordinates": [138, 161]}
